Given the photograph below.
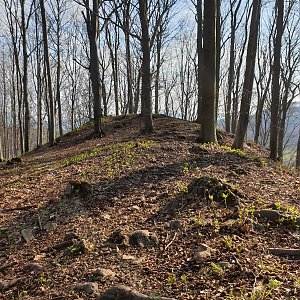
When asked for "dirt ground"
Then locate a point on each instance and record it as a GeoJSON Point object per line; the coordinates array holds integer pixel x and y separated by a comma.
{"type": "Point", "coordinates": [67, 213]}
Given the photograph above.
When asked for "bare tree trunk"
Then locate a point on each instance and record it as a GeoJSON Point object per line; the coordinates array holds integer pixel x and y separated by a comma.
{"type": "Point", "coordinates": [249, 77]}
{"type": "Point", "coordinates": [157, 73]}
{"type": "Point", "coordinates": [1, 149]}
{"type": "Point", "coordinates": [49, 79]}
{"type": "Point", "coordinates": [208, 125]}
{"type": "Point", "coordinates": [228, 104]}
{"type": "Point", "coordinates": [39, 139]}
{"type": "Point", "coordinates": [146, 73]}
{"type": "Point", "coordinates": [298, 153]}
{"type": "Point", "coordinates": [200, 60]}
{"type": "Point", "coordinates": [128, 56]}
{"type": "Point", "coordinates": [275, 82]}
{"type": "Point", "coordinates": [218, 54]}
{"type": "Point", "coordinates": [92, 22]}
{"type": "Point", "coordinates": [25, 79]}
{"type": "Point", "coordinates": [113, 51]}
{"type": "Point", "coordinates": [58, 70]}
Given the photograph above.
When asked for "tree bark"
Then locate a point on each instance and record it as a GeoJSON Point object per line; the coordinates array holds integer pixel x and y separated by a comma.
{"type": "Point", "coordinates": [275, 82]}
{"type": "Point", "coordinates": [91, 19]}
{"type": "Point", "coordinates": [200, 60]}
{"type": "Point", "coordinates": [25, 80]}
{"type": "Point", "coordinates": [49, 79]}
{"type": "Point", "coordinates": [146, 73]}
{"type": "Point", "coordinates": [249, 77]}
{"type": "Point", "coordinates": [208, 125]}
{"type": "Point", "coordinates": [298, 153]}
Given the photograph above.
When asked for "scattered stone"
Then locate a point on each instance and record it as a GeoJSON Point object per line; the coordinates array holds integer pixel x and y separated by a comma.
{"type": "Point", "coordinates": [224, 264]}
{"type": "Point", "coordinates": [33, 267]}
{"type": "Point", "coordinates": [7, 266]}
{"type": "Point", "coordinates": [135, 207]}
{"type": "Point", "coordinates": [143, 238]}
{"type": "Point", "coordinates": [13, 161]}
{"type": "Point", "coordinates": [6, 285]}
{"type": "Point", "coordinates": [70, 236]}
{"type": "Point", "coordinates": [203, 251]}
{"type": "Point", "coordinates": [213, 189]}
{"type": "Point", "coordinates": [104, 273]}
{"type": "Point", "coordinates": [78, 188]}
{"type": "Point", "coordinates": [197, 149]}
{"type": "Point", "coordinates": [78, 248]}
{"type": "Point", "coordinates": [105, 216]}
{"type": "Point", "coordinates": [128, 257]}
{"type": "Point", "coordinates": [118, 237]}
{"type": "Point", "coordinates": [118, 125]}
{"type": "Point", "coordinates": [276, 217]}
{"type": "Point", "coordinates": [27, 234]}
{"type": "Point", "coordinates": [63, 245]}
{"type": "Point", "coordinates": [16, 160]}
{"type": "Point", "coordinates": [269, 214]}
{"type": "Point", "coordinates": [175, 225]}
{"type": "Point", "coordinates": [121, 292]}
{"type": "Point", "coordinates": [87, 287]}
{"type": "Point", "coordinates": [50, 226]}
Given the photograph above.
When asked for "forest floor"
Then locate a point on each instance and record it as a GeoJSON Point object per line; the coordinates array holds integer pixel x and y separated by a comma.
{"type": "Point", "coordinates": [71, 217]}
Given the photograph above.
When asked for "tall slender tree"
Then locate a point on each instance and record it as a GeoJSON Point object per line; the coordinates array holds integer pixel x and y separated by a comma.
{"type": "Point", "coordinates": [200, 58]}
{"type": "Point", "coordinates": [92, 23]}
{"type": "Point", "coordinates": [49, 77]}
{"type": "Point", "coordinates": [249, 77]}
{"type": "Point", "coordinates": [298, 153]}
{"type": "Point", "coordinates": [275, 81]}
{"type": "Point", "coordinates": [146, 72]}
{"type": "Point", "coordinates": [208, 125]}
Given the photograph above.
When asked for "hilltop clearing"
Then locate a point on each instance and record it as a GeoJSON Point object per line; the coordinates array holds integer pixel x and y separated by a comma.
{"type": "Point", "coordinates": [158, 213]}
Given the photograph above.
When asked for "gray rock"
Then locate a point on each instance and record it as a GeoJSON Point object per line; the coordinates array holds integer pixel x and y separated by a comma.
{"type": "Point", "coordinates": [203, 251]}
{"type": "Point", "coordinates": [70, 236]}
{"type": "Point", "coordinates": [50, 226]}
{"type": "Point", "coordinates": [87, 287]}
{"type": "Point", "coordinates": [224, 264]}
{"type": "Point", "coordinates": [175, 225]}
{"type": "Point", "coordinates": [128, 257]}
{"type": "Point", "coordinates": [27, 234]}
{"type": "Point", "coordinates": [143, 238]}
{"type": "Point", "coordinates": [33, 267]}
{"type": "Point", "coordinates": [104, 273]}
{"type": "Point", "coordinates": [269, 214]}
{"type": "Point", "coordinates": [105, 216]}
{"type": "Point", "coordinates": [121, 292]}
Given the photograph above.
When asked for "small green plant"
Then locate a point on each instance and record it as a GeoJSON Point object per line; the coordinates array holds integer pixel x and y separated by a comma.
{"type": "Point", "coordinates": [233, 150]}
{"type": "Point", "coordinates": [227, 242]}
{"type": "Point", "coordinates": [181, 188]}
{"type": "Point", "coordinates": [277, 205]}
{"type": "Point", "coordinates": [225, 196]}
{"type": "Point", "coordinates": [23, 294]}
{"type": "Point", "coordinates": [217, 226]}
{"type": "Point", "coordinates": [197, 220]}
{"type": "Point", "coordinates": [42, 279]}
{"type": "Point", "coordinates": [274, 284]}
{"type": "Point", "coordinates": [216, 269]}
{"type": "Point", "coordinates": [185, 168]}
{"type": "Point", "coordinates": [264, 163]}
{"type": "Point", "coordinates": [183, 279]}
{"type": "Point", "coordinates": [171, 280]}
{"type": "Point", "coordinates": [297, 282]}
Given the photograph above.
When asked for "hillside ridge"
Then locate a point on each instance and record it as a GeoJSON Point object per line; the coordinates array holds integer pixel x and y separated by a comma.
{"type": "Point", "coordinates": [158, 213]}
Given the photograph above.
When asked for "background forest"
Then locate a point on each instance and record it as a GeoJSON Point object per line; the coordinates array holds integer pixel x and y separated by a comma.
{"type": "Point", "coordinates": [65, 62]}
